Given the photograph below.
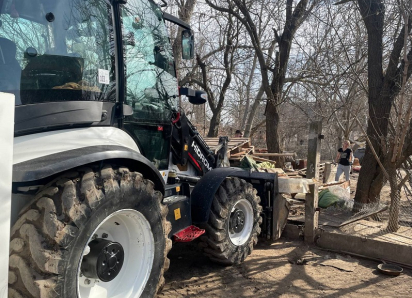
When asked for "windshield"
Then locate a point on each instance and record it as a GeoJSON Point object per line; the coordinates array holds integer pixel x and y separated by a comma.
{"type": "Point", "coordinates": [56, 50]}
{"type": "Point", "coordinates": [151, 84]}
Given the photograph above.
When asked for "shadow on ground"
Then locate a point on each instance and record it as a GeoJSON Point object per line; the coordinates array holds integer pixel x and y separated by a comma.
{"type": "Point", "coordinates": [280, 269]}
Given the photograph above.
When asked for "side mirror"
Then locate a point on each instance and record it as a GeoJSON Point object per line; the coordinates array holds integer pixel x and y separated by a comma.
{"type": "Point", "coordinates": [199, 99]}
{"type": "Point", "coordinates": [196, 97]}
{"type": "Point", "coordinates": [119, 1]}
{"type": "Point", "coordinates": [188, 45]}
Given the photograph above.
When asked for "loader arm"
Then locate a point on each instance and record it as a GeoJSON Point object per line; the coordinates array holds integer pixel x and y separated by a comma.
{"type": "Point", "coordinates": [188, 146]}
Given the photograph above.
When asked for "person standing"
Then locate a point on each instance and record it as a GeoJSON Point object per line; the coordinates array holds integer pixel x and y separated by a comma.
{"type": "Point", "coordinates": [344, 159]}
{"type": "Point", "coordinates": [238, 134]}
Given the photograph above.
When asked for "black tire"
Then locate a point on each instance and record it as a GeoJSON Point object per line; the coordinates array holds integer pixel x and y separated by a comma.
{"type": "Point", "coordinates": [216, 242]}
{"type": "Point", "coordinates": [48, 239]}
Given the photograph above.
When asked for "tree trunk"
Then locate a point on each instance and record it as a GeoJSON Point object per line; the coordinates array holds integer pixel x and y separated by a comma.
{"type": "Point", "coordinates": [393, 223]}
{"type": "Point", "coordinates": [214, 125]}
{"type": "Point", "coordinates": [382, 91]}
{"type": "Point", "coordinates": [370, 180]}
{"type": "Point", "coordinates": [370, 177]}
{"type": "Point", "coordinates": [248, 95]}
{"type": "Point", "coordinates": [272, 131]}
{"type": "Point", "coordinates": [252, 113]}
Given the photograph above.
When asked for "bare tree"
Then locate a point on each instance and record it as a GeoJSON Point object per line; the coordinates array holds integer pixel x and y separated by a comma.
{"type": "Point", "coordinates": [216, 104]}
{"type": "Point", "coordinates": [217, 56]}
{"type": "Point", "coordinates": [326, 73]}
{"type": "Point", "coordinates": [383, 87]}
{"type": "Point", "coordinates": [294, 16]}
{"type": "Point", "coordinates": [394, 149]}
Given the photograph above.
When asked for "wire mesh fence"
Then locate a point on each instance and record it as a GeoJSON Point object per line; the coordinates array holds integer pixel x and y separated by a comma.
{"type": "Point", "coordinates": [404, 176]}
{"type": "Point", "coordinates": [389, 218]}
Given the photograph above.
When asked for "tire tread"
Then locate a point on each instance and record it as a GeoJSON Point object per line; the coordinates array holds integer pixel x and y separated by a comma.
{"type": "Point", "coordinates": [42, 233]}
{"type": "Point", "coordinates": [216, 243]}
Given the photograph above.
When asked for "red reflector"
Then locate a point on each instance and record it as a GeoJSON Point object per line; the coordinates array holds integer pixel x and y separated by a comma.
{"type": "Point", "coordinates": [194, 160]}
{"type": "Point", "coordinates": [188, 234]}
{"type": "Point", "coordinates": [160, 128]}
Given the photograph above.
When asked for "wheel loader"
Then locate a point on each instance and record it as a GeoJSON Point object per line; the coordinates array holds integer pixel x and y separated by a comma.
{"type": "Point", "coordinates": [108, 172]}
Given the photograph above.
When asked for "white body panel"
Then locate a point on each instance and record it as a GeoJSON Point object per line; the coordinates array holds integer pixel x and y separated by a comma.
{"type": "Point", "coordinates": [46, 143]}
{"type": "Point", "coordinates": [6, 165]}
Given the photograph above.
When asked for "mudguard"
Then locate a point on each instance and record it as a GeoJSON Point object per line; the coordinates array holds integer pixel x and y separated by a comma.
{"type": "Point", "coordinates": [204, 191]}
{"type": "Point", "coordinates": [45, 166]}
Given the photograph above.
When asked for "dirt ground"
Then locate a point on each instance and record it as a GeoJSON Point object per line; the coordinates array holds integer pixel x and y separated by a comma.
{"type": "Point", "coordinates": [281, 269]}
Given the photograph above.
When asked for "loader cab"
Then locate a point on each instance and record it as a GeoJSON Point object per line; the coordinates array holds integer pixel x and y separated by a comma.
{"type": "Point", "coordinates": [150, 79]}
{"type": "Point", "coordinates": [61, 51]}
{"type": "Point", "coordinates": [61, 61]}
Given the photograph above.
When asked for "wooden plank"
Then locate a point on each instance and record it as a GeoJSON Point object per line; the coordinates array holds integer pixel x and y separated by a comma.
{"type": "Point", "coordinates": [234, 146]}
{"type": "Point", "coordinates": [246, 145]}
{"type": "Point", "coordinates": [230, 145]}
{"type": "Point", "coordinates": [331, 184]}
{"type": "Point", "coordinates": [293, 176]}
{"type": "Point", "coordinates": [382, 250]}
{"type": "Point", "coordinates": [240, 154]}
{"type": "Point", "coordinates": [311, 214]}
{"type": "Point", "coordinates": [263, 160]}
{"type": "Point", "coordinates": [294, 173]}
{"type": "Point", "coordinates": [237, 147]}
{"type": "Point", "coordinates": [239, 139]}
{"type": "Point", "coordinates": [235, 143]}
{"type": "Point", "coordinates": [274, 154]}
{"type": "Point", "coordinates": [280, 212]}
{"type": "Point", "coordinates": [274, 170]}
{"type": "Point", "coordinates": [248, 150]}
{"type": "Point", "coordinates": [291, 185]}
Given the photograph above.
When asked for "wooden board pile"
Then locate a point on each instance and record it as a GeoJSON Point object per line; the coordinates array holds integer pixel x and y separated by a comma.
{"type": "Point", "coordinates": [238, 148]}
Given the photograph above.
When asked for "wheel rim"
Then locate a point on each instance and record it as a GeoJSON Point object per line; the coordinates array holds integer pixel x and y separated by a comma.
{"type": "Point", "coordinates": [241, 222]}
{"type": "Point", "coordinates": [130, 229]}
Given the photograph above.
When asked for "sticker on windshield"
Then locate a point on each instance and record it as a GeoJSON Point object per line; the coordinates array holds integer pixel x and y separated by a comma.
{"type": "Point", "coordinates": [104, 76]}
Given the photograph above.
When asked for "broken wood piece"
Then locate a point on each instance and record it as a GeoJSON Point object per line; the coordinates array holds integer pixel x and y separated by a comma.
{"type": "Point", "coordinates": [281, 207]}
{"type": "Point", "coordinates": [263, 159]}
{"type": "Point", "coordinates": [274, 170]}
{"type": "Point", "coordinates": [290, 185]}
{"type": "Point", "coordinates": [293, 154]}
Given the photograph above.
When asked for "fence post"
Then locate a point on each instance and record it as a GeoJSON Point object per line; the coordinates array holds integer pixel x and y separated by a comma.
{"type": "Point", "coordinates": [312, 171]}
{"type": "Point", "coordinates": [315, 135]}
{"type": "Point", "coordinates": [311, 214]}
{"type": "Point", "coordinates": [327, 172]}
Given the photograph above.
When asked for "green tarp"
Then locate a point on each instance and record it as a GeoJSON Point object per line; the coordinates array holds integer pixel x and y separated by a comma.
{"type": "Point", "coordinates": [327, 199]}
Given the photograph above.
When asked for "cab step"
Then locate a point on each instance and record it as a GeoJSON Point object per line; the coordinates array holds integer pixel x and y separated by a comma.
{"type": "Point", "coordinates": [188, 234]}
